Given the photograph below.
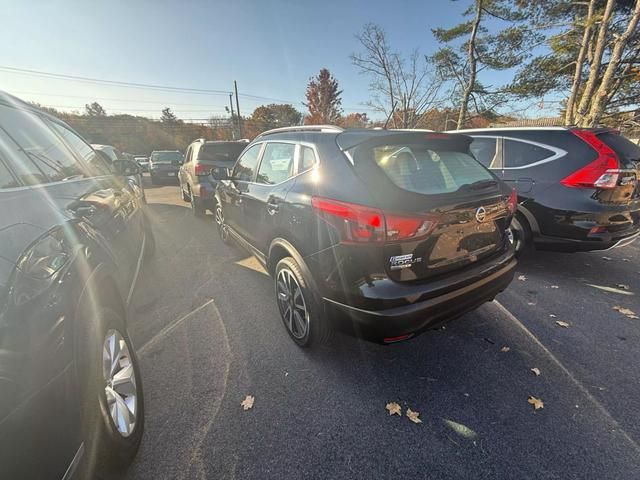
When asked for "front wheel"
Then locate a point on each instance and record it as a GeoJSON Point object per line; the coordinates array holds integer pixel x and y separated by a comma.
{"type": "Point", "coordinates": [300, 313]}
{"type": "Point", "coordinates": [223, 230]}
{"type": "Point", "coordinates": [113, 403]}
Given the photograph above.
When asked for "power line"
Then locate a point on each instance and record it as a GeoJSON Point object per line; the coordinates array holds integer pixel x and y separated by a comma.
{"type": "Point", "coordinates": [118, 83]}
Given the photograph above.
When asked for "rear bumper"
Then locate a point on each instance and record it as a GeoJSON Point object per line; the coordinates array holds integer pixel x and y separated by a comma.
{"type": "Point", "coordinates": [458, 297]}
{"type": "Point", "coordinates": [164, 174]}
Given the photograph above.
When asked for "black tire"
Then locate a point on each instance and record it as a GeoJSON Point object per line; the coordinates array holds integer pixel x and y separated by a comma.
{"type": "Point", "coordinates": [223, 231]}
{"type": "Point", "coordinates": [196, 206]}
{"type": "Point", "coordinates": [521, 234]}
{"type": "Point", "coordinates": [107, 451]}
{"type": "Point", "coordinates": [185, 196]}
{"type": "Point", "coordinates": [318, 331]}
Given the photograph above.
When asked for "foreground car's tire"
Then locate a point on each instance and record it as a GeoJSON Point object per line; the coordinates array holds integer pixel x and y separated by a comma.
{"type": "Point", "coordinates": [300, 313]}
{"type": "Point", "coordinates": [520, 234]}
{"type": "Point", "coordinates": [196, 207]}
{"type": "Point", "coordinates": [223, 231]}
{"type": "Point", "coordinates": [185, 195]}
{"type": "Point", "coordinates": [112, 398]}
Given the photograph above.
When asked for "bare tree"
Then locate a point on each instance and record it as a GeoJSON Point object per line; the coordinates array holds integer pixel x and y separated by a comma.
{"type": "Point", "coordinates": [402, 89]}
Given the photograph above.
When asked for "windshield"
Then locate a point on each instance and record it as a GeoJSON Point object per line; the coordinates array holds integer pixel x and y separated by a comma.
{"type": "Point", "coordinates": [166, 157]}
{"type": "Point", "coordinates": [422, 169]}
{"type": "Point", "coordinates": [221, 152]}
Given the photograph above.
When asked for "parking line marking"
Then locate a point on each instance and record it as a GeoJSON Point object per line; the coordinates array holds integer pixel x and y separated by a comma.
{"type": "Point", "coordinates": [566, 371]}
{"type": "Point", "coordinates": [169, 328]}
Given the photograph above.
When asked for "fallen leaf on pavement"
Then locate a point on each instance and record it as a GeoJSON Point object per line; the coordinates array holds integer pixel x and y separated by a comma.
{"type": "Point", "coordinates": [553, 316]}
{"type": "Point", "coordinates": [394, 408]}
{"type": "Point", "coordinates": [536, 402]}
{"type": "Point", "coordinates": [413, 416]}
{"type": "Point", "coordinates": [522, 278]}
{"type": "Point", "coordinates": [555, 286]}
{"type": "Point", "coordinates": [626, 312]}
{"type": "Point", "coordinates": [505, 349]}
{"type": "Point", "coordinates": [626, 260]}
{"type": "Point", "coordinates": [560, 323]}
{"type": "Point", "coordinates": [530, 303]}
{"type": "Point", "coordinates": [622, 286]}
{"type": "Point", "coordinates": [536, 371]}
{"type": "Point", "coordinates": [608, 259]}
{"type": "Point", "coordinates": [247, 403]}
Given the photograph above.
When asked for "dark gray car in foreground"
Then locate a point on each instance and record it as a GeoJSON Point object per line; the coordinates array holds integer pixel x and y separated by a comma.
{"type": "Point", "coordinates": [73, 236]}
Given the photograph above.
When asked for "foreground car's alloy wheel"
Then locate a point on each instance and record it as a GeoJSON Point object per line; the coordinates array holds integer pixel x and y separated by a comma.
{"type": "Point", "coordinates": [291, 303]}
{"type": "Point", "coordinates": [517, 236]}
{"type": "Point", "coordinates": [222, 227]}
{"type": "Point", "coordinates": [120, 383]}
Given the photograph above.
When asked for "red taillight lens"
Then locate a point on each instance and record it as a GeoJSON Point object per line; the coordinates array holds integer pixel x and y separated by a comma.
{"type": "Point", "coordinates": [201, 169]}
{"type": "Point", "coordinates": [361, 224]}
{"type": "Point", "coordinates": [354, 223]}
{"type": "Point", "coordinates": [603, 172]}
{"type": "Point", "coordinates": [404, 228]}
{"type": "Point", "coordinates": [512, 202]}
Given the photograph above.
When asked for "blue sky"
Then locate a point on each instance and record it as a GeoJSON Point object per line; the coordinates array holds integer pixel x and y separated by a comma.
{"type": "Point", "coordinates": [270, 47]}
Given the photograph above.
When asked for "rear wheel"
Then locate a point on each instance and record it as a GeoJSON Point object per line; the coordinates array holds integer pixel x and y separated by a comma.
{"type": "Point", "coordinates": [520, 233]}
{"type": "Point", "coordinates": [300, 313]}
{"type": "Point", "coordinates": [196, 206]}
{"type": "Point", "coordinates": [185, 195]}
{"type": "Point", "coordinates": [113, 403]}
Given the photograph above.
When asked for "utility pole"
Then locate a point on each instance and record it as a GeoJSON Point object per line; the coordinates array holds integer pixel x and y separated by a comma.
{"type": "Point", "coordinates": [233, 125]}
{"type": "Point", "coordinates": [235, 87]}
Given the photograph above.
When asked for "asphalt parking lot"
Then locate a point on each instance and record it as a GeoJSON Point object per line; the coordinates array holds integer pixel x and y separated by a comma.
{"type": "Point", "coordinates": [206, 326]}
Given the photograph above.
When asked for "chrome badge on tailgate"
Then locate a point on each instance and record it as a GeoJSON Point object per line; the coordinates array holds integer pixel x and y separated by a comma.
{"type": "Point", "coordinates": [403, 261]}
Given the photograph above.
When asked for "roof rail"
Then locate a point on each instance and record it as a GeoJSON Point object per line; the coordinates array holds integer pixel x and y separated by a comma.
{"type": "Point", "coordinates": [304, 128]}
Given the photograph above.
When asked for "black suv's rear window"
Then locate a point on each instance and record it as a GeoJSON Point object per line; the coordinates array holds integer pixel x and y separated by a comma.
{"type": "Point", "coordinates": [425, 169]}
{"type": "Point", "coordinates": [221, 152]}
{"type": "Point", "coordinates": [626, 150]}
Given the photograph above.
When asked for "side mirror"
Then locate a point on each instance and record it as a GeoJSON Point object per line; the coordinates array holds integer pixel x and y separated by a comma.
{"type": "Point", "coordinates": [125, 168]}
{"type": "Point", "coordinates": [220, 173]}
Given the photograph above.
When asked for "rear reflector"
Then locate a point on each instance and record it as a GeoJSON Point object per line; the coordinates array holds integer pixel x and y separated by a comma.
{"type": "Point", "coordinates": [360, 224]}
{"type": "Point", "coordinates": [603, 172]}
{"type": "Point", "coordinates": [201, 169]}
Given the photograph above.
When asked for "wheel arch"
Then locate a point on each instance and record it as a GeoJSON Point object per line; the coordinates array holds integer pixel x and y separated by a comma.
{"type": "Point", "coordinates": [281, 248]}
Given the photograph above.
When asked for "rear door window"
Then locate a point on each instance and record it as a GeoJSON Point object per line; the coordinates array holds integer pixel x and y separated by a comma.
{"type": "Point", "coordinates": [627, 151]}
{"type": "Point", "coordinates": [37, 152]}
{"type": "Point", "coordinates": [521, 154]}
{"type": "Point", "coordinates": [423, 169]}
{"type": "Point", "coordinates": [485, 150]}
{"type": "Point", "coordinates": [307, 159]}
{"type": "Point", "coordinates": [277, 163]}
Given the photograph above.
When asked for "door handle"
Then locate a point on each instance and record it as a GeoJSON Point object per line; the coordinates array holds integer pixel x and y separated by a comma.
{"type": "Point", "coordinates": [272, 207]}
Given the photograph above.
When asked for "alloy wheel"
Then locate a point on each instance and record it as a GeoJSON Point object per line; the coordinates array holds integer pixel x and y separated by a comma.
{"type": "Point", "coordinates": [222, 228]}
{"type": "Point", "coordinates": [120, 383]}
{"type": "Point", "coordinates": [291, 303]}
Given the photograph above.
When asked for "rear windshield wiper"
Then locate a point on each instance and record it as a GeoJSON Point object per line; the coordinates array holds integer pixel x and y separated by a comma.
{"type": "Point", "coordinates": [479, 185]}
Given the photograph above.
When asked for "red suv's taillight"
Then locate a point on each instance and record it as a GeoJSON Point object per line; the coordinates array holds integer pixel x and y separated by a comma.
{"type": "Point", "coordinates": [360, 224]}
{"type": "Point", "coordinates": [201, 169]}
{"type": "Point", "coordinates": [603, 172]}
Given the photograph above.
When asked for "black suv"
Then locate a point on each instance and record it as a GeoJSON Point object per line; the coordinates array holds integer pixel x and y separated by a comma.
{"type": "Point", "coordinates": [197, 186]}
{"type": "Point", "coordinates": [164, 165]}
{"type": "Point", "coordinates": [386, 232]}
{"type": "Point", "coordinates": [577, 188]}
{"type": "Point", "coordinates": [73, 236]}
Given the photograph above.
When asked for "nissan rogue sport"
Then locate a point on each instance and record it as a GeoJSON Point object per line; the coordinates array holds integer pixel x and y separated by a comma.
{"type": "Point", "coordinates": [384, 233]}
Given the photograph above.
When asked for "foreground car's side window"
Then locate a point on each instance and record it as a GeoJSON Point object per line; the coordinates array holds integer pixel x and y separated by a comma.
{"type": "Point", "coordinates": [37, 153]}
{"type": "Point", "coordinates": [307, 159]}
{"type": "Point", "coordinates": [97, 165]}
{"type": "Point", "coordinates": [277, 163]}
{"type": "Point", "coordinates": [7, 180]}
{"type": "Point", "coordinates": [247, 163]}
